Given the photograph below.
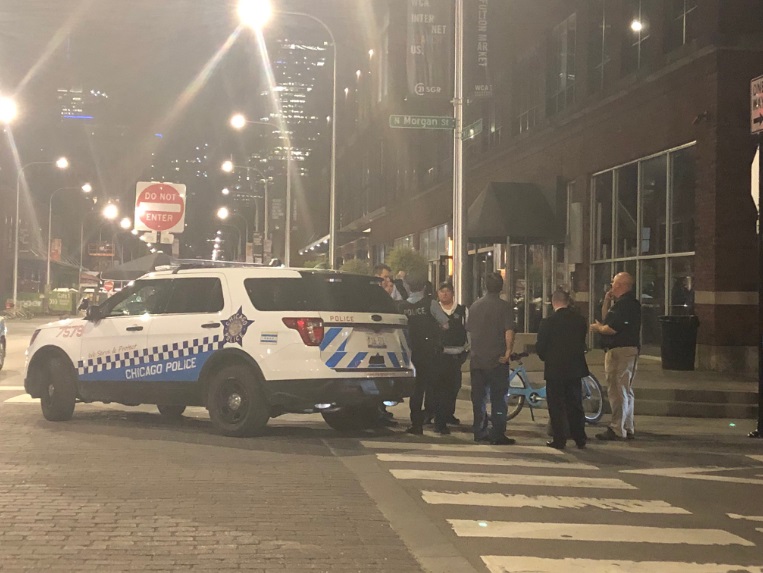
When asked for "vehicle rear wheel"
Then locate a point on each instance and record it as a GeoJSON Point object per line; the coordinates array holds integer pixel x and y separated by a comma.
{"type": "Point", "coordinates": [593, 399]}
{"type": "Point", "coordinates": [171, 411]}
{"type": "Point", "coordinates": [352, 418]}
{"type": "Point", "coordinates": [58, 389]}
{"type": "Point", "coordinates": [236, 404]}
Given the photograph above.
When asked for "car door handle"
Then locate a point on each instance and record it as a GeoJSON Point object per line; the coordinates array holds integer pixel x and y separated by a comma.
{"type": "Point", "coordinates": [133, 328]}
{"type": "Point", "coordinates": [211, 325]}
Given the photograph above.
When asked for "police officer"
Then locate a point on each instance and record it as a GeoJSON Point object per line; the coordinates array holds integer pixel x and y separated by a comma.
{"type": "Point", "coordinates": [426, 348]}
{"type": "Point", "coordinates": [454, 342]}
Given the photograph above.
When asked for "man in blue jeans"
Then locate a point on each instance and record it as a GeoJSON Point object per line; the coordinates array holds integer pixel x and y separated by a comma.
{"type": "Point", "coordinates": [492, 328]}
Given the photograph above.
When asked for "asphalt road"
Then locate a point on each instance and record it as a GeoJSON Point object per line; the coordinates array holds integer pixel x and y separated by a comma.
{"type": "Point", "coordinates": [119, 489]}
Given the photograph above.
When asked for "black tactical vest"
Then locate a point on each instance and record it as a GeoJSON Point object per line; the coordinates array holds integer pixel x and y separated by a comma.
{"type": "Point", "coordinates": [423, 328]}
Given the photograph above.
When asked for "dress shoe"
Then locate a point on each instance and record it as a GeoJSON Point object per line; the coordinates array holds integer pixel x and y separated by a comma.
{"type": "Point", "coordinates": [630, 436]}
{"type": "Point", "coordinates": [503, 441]}
{"type": "Point", "coordinates": [555, 445]}
{"type": "Point", "coordinates": [445, 431]}
{"type": "Point", "coordinates": [609, 436]}
{"type": "Point", "coordinates": [580, 445]}
{"type": "Point", "coordinates": [389, 422]}
{"type": "Point", "coordinates": [482, 439]}
{"type": "Point", "coordinates": [415, 430]}
{"type": "Point", "coordinates": [454, 421]}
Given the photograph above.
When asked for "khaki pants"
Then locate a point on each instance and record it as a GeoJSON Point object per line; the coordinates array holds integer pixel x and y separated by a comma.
{"type": "Point", "coordinates": [620, 370]}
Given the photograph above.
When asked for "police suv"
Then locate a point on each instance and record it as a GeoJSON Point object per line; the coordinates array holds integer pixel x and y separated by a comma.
{"type": "Point", "coordinates": [248, 343]}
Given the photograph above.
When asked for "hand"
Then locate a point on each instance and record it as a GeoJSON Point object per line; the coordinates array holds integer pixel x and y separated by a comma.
{"type": "Point", "coordinates": [596, 326]}
{"type": "Point", "coordinates": [505, 359]}
{"type": "Point", "coordinates": [609, 296]}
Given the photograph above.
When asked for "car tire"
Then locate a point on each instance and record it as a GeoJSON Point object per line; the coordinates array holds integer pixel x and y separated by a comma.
{"type": "Point", "coordinates": [171, 411]}
{"type": "Point", "coordinates": [352, 418]}
{"type": "Point", "coordinates": [58, 391]}
{"type": "Point", "coordinates": [236, 403]}
{"type": "Point", "coordinates": [2, 353]}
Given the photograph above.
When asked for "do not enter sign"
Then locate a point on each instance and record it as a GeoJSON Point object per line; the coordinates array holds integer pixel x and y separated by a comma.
{"type": "Point", "coordinates": [108, 286]}
{"type": "Point", "coordinates": [160, 207]}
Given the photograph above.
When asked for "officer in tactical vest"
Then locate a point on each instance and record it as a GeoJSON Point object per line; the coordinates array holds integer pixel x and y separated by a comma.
{"type": "Point", "coordinates": [455, 351]}
{"type": "Point", "coordinates": [426, 322]}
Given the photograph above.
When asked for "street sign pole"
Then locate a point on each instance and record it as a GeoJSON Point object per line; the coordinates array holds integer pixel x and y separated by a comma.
{"type": "Point", "coordinates": [459, 238]}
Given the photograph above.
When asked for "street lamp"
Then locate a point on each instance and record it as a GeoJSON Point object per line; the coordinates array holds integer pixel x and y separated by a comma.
{"type": "Point", "coordinates": [8, 110]}
{"type": "Point", "coordinates": [255, 14]}
{"type": "Point", "coordinates": [61, 163]}
{"type": "Point", "coordinates": [225, 191]}
{"type": "Point", "coordinates": [125, 223]}
{"type": "Point", "coordinates": [86, 188]}
{"type": "Point", "coordinates": [109, 212]}
{"type": "Point", "coordinates": [223, 213]}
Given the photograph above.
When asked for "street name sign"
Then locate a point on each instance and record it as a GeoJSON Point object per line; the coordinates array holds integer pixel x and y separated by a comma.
{"type": "Point", "coordinates": [422, 121]}
{"type": "Point", "coordinates": [756, 105]}
{"type": "Point", "coordinates": [160, 207]}
{"type": "Point", "coordinates": [472, 130]}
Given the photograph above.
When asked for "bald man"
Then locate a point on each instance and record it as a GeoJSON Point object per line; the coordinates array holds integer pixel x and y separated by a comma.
{"type": "Point", "coordinates": [620, 335]}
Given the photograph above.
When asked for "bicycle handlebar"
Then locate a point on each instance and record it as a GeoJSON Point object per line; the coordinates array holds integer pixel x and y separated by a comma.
{"type": "Point", "coordinates": [518, 356]}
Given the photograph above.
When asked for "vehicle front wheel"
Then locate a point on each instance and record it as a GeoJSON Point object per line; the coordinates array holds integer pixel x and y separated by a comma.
{"type": "Point", "coordinates": [171, 411]}
{"type": "Point", "coordinates": [58, 389]}
{"type": "Point", "coordinates": [352, 418]}
{"type": "Point", "coordinates": [236, 404]}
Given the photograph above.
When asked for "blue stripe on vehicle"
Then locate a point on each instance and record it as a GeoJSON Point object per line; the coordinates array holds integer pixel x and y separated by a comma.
{"type": "Point", "coordinates": [357, 360]}
{"type": "Point", "coordinates": [406, 361]}
{"type": "Point", "coordinates": [335, 359]}
{"type": "Point", "coordinates": [393, 359]}
{"type": "Point", "coordinates": [329, 337]}
{"type": "Point", "coordinates": [343, 346]}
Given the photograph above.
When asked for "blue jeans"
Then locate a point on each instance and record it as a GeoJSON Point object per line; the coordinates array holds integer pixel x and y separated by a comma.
{"type": "Point", "coordinates": [492, 383]}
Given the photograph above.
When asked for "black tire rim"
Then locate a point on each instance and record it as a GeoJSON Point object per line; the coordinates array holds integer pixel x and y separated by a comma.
{"type": "Point", "coordinates": [232, 402]}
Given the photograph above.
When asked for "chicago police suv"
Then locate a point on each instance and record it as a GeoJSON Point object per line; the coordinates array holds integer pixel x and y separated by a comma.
{"type": "Point", "coordinates": [248, 343]}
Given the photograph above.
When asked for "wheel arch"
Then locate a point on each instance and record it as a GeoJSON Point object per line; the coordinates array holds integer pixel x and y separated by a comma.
{"type": "Point", "coordinates": [33, 383]}
{"type": "Point", "coordinates": [222, 358]}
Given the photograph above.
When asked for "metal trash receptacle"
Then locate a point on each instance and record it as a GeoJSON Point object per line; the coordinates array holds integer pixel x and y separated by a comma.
{"type": "Point", "coordinates": [679, 342]}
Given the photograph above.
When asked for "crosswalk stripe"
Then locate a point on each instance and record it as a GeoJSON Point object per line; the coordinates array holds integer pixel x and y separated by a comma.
{"type": "Point", "coordinates": [756, 458]}
{"type": "Point", "coordinates": [466, 446]}
{"type": "Point", "coordinates": [512, 479]}
{"type": "Point", "coordinates": [483, 461]}
{"type": "Point", "coordinates": [22, 399]}
{"type": "Point", "coordinates": [505, 564]}
{"type": "Point", "coordinates": [595, 532]}
{"type": "Point", "coordinates": [746, 517]}
{"type": "Point", "coordinates": [646, 506]}
{"type": "Point", "coordinates": [11, 388]}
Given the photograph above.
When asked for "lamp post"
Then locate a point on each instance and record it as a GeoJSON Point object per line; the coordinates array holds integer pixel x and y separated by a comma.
{"type": "Point", "coordinates": [61, 163]}
{"type": "Point", "coordinates": [255, 14]}
{"type": "Point", "coordinates": [228, 166]}
{"type": "Point", "coordinates": [109, 212]}
{"type": "Point", "coordinates": [223, 213]}
{"type": "Point", "coordinates": [86, 188]}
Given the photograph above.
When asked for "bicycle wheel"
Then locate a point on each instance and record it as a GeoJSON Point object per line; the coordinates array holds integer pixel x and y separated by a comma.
{"type": "Point", "coordinates": [593, 400]}
{"type": "Point", "coordinates": [515, 402]}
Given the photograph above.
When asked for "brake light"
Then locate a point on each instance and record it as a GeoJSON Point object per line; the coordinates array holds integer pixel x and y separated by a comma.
{"type": "Point", "coordinates": [310, 329]}
{"type": "Point", "coordinates": [34, 335]}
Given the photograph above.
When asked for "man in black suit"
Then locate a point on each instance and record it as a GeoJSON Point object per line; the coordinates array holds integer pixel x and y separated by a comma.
{"type": "Point", "coordinates": [561, 345]}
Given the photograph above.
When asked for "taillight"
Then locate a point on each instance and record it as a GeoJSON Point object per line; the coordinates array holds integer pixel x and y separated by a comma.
{"type": "Point", "coordinates": [310, 329]}
{"type": "Point", "coordinates": [34, 335]}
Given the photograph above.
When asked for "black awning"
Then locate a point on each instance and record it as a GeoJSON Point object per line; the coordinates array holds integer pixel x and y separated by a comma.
{"type": "Point", "coordinates": [516, 210]}
{"type": "Point", "coordinates": [131, 270]}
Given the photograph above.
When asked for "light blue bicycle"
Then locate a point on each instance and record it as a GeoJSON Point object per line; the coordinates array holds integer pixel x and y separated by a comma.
{"type": "Point", "coordinates": [522, 391]}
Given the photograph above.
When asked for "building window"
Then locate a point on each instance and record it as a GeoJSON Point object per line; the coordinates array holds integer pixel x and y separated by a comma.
{"type": "Point", "coordinates": [561, 78]}
{"type": "Point", "coordinates": [599, 46]}
{"type": "Point", "coordinates": [404, 242]}
{"type": "Point", "coordinates": [527, 92]}
{"type": "Point", "coordinates": [682, 22]}
{"type": "Point", "coordinates": [631, 206]}
{"type": "Point", "coordinates": [636, 38]}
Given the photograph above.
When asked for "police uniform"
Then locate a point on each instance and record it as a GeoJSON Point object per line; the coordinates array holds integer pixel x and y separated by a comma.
{"type": "Point", "coordinates": [454, 342]}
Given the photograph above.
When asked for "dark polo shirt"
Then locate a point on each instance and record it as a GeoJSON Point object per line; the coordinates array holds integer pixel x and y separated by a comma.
{"type": "Point", "coordinates": [624, 317]}
{"type": "Point", "coordinates": [489, 319]}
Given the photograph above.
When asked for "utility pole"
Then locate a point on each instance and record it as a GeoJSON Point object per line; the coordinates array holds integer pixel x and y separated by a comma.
{"type": "Point", "coordinates": [459, 237]}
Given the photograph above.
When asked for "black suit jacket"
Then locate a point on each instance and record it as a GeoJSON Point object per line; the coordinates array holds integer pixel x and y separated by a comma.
{"type": "Point", "coordinates": [561, 345]}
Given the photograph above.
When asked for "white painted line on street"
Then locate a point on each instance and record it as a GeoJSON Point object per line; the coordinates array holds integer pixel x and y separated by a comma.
{"type": "Point", "coordinates": [756, 458]}
{"type": "Point", "coordinates": [595, 532]}
{"type": "Point", "coordinates": [513, 479]}
{"type": "Point", "coordinates": [501, 564]}
{"type": "Point", "coordinates": [22, 399]}
{"type": "Point", "coordinates": [465, 447]}
{"type": "Point", "coordinates": [552, 502]}
{"type": "Point", "coordinates": [482, 461]}
{"type": "Point", "coordinates": [745, 517]}
{"type": "Point", "coordinates": [694, 473]}
{"type": "Point", "coordinates": [12, 388]}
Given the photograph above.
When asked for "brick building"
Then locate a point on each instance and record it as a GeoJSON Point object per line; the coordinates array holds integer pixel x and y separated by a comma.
{"type": "Point", "coordinates": [629, 119]}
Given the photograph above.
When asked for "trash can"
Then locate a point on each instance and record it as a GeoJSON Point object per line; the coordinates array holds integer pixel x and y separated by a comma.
{"type": "Point", "coordinates": [679, 342]}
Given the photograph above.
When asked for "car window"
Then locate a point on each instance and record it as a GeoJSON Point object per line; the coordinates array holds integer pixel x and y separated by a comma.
{"type": "Point", "coordinates": [141, 298]}
{"type": "Point", "coordinates": [195, 295]}
{"type": "Point", "coordinates": [320, 292]}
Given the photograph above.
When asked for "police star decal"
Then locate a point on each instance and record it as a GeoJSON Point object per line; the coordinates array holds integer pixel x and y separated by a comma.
{"type": "Point", "coordinates": [234, 329]}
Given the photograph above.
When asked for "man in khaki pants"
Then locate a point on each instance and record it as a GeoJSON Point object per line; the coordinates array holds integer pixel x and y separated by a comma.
{"type": "Point", "coordinates": [620, 334]}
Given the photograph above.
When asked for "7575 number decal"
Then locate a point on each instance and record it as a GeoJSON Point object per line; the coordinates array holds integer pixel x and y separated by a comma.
{"type": "Point", "coordinates": [70, 331]}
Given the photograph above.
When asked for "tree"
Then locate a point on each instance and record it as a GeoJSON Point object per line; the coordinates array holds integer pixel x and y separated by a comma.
{"type": "Point", "coordinates": [406, 260]}
{"type": "Point", "coordinates": [357, 266]}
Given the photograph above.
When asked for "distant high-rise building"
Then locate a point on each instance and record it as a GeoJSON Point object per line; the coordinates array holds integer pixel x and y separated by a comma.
{"type": "Point", "coordinates": [79, 103]}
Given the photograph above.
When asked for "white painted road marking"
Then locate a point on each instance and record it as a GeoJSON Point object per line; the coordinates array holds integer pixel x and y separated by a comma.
{"type": "Point", "coordinates": [595, 532]}
{"type": "Point", "coordinates": [756, 458]}
{"type": "Point", "coordinates": [501, 564]}
{"type": "Point", "coordinates": [482, 461]}
{"type": "Point", "coordinates": [695, 473]}
{"type": "Point", "coordinates": [746, 517]}
{"type": "Point", "coordinates": [512, 479]}
{"type": "Point", "coordinates": [12, 388]}
{"type": "Point", "coordinates": [465, 447]}
{"type": "Point", "coordinates": [22, 399]}
{"type": "Point", "coordinates": [552, 502]}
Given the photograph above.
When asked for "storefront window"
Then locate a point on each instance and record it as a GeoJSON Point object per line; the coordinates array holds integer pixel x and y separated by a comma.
{"type": "Point", "coordinates": [602, 212]}
{"type": "Point", "coordinates": [653, 204]}
{"type": "Point", "coordinates": [626, 230]}
{"type": "Point", "coordinates": [681, 286]}
{"type": "Point", "coordinates": [652, 304]}
{"type": "Point", "coordinates": [683, 179]}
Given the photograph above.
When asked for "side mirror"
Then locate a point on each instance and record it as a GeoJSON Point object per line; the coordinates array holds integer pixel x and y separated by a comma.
{"type": "Point", "coordinates": [92, 313]}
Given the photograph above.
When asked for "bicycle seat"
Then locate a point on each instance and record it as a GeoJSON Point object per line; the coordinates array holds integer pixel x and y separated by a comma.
{"type": "Point", "coordinates": [518, 356]}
